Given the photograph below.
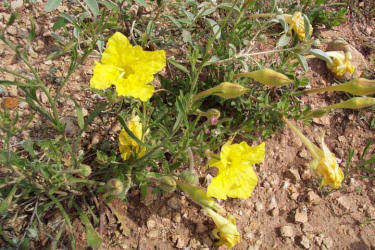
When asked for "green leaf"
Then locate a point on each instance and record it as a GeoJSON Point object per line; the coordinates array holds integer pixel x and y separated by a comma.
{"type": "Point", "coordinates": [4, 204]}
{"type": "Point", "coordinates": [80, 119]}
{"type": "Point", "coordinates": [12, 18]}
{"type": "Point", "coordinates": [142, 2]}
{"type": "Point", "coordinates": [321, 55]}
{"type": "Point", "coordinates": [93, 6]}
{"type": "Point", "coordinates": [283, 40]}
{"type": "Point", "coordinates": [179, 66]}
{"type": "Point", "coordinates": [109, 5]}
{"type": "Point", "coordinates": [93, 239]}
{"type": "Point", "coordinates": [61, 22]}
{"type": "Point", "coordinates": [303, 62]}
{"type": "Point", "coordinates": [52, 5]}
{"type": "Point", "coordinates": [94, 114]}
{"type": "Point", "coordinates": [307, 26]}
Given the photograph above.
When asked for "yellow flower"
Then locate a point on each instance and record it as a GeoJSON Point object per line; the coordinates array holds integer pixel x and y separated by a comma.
{"type": "Point", "coordinates": [341, 62]}
{"type": "Point", "coordinates": [129, 68]}
{"type": "Point", "coordinates": [297, 23]}
{"type": "Point", "coordinates": [127, 145]}
{"type": "Point", "coordinates": [236, 177]}
{"type": "Point", "coordinates": [226, 230]}
{"type": "Point", "coordinates": [324, 163]}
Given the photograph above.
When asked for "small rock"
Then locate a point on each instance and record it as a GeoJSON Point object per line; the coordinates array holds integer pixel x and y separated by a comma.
{"type": "Point", "coordinates": [287, 231]}
{"type": "Point", "coordinates": [16, 4]}
{"type": "Point", "coordinates": [275, 212]}
{"type": "Point", "coordinates": [153, 234]}
{"type": "Point", "coordinates": [300, 216]}
{"type": "Point", "coordinates": [305, 242]}
{"type": "Point", "coordinates": [339, 152]}
{"type": "Point", "coordinates": [177, 218]}
{"type": "Point", "coordinates": [259, 206]}
{"type": "Point", "coordinates": [313, 197]}
{"type": "Point", "coordinates": [303, 154]}
{"type": "Point", "coordinates": [294, 196]}
{"type": "Point", "coordinates": [345, 202]}
{"type": "Point", "coordinates": [272, 203]}
{"type": "Point", "coordinates": [306, 174]}
{"type": "Point", "coordinates": [43, 97]}
{"type": "Point", "coordinates": [85, 112]}
{"type": "Point", "coordinates": [327, 243]}
{"type": "Point", "coordinates": [151, 223]}
{"type": "Point", "coordinates": [307, 228]}
{"type": "Point", "coordinates": [180, 243]}
{"type": "Point", "coordinates": [12, 30]}
{"type": "Point", "coordinates": [174, 203]}
{"type": "Point", "coordinates": [293, 175]}
{"type": "Point", "coordinates": [13, 91]}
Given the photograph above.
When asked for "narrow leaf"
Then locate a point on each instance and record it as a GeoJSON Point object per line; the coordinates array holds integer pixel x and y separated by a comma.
{"type": "Point", "coordinates": [52, 5]}
{"type": "Point", "coordinates": [93, 239]}
{"type": "Point", "coordinates": [283, 41]}
{"type": "Point", "coordinates": [303, 62]}
{"type": "Point", "coordinates": [307, 26]}
{"type": "Point", "coordinates": [93, 6]}
{"type": "Point", "coordinates": [321, 55]}
{"type": "Point", "coordinates": [179, 66]}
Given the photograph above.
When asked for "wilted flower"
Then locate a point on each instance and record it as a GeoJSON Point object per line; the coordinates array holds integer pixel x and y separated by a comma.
{"type": "Point", "coordinates": [267, 77]}
{"type": "Point", "coordinates": [297, 23]}
{"type": "Point", "coordinates": [225, 90]}
{"type": "Point", "coordinates": [324, 162]}
{"type": "Point", "coordinates": [341, 62]}
{"type": "Point", "coordinates": [129, 68]}
{"type": "Point", "coordinates": [128, 145]}
{"type": "Point", "coordinates": [236, 177]}
{"type": "Point", "coordinates": [358, 86]}
{"type": "Point", "coordinates": [226, 230]}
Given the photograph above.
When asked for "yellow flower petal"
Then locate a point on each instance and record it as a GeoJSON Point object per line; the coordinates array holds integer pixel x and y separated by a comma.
{"type": "Point", "coordinates": [236, 177]}
{"type": "Point", "coordinates": [297, 23]}
{"type": "Point", "coordinates": [129, 68]}
{"type": "Point", "coordinates": [127, 145]}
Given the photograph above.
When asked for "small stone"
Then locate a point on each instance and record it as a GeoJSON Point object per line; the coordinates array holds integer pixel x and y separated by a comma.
{"type": "Point", "coordinates": [16, 4]}
{"type": "Point", "coordinates": [339, 152]}
{"type": "Point", "coordinates": [306, 228]}
{"type": "Point", "coordinates": [293, 175]}
{"type": "Point", "coordinates": [85, 112]}
{"type": "Point", "coordinates": [305, 242]}
{"type": "Point", "coordinates": [43, 97]}
{"type": "Point", "coordinates": [174, 203]}
{"type": "Point", "coordinates": [306, 174]}
{"type": "Point", "coordinates": [294, 196]}
{"type": "Point", "coordinates": [259, 206]}
{"type": "Point", "coordinates": [12, 30]}
{"type": "Point", "coordinates": [272, 203]}
{"type": "Point", "coordinates": [341, 138]}
{"type": "Point", "coordinates": [327, 243]}
{"type": "Point", "coordinates": [304, 154]}
{"type": "Point", "coordinates": [345, 202]}
{"type": "Point", "coordinates": [287, 231]}
{"type": "Point", "coordinates": [180, 243]}
{"type": "Point", "coordinates": [13, 91]}
{"type": "Point", "coordinates": [153, 234]}
{"type": "Point", "coordinates": [177, 218]}
{"type": "Point", "coordinates": [275, 212]}
{"type": "Point", "coordinates": [313, 197]}
{"type": "Point", "coordinates": [151, 223]}
{"type": "Point", "coordinates": [300, 216]}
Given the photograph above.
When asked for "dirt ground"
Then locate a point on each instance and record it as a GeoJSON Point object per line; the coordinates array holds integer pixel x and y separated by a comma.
{"type": "Point", "coordinates": [287, 210]}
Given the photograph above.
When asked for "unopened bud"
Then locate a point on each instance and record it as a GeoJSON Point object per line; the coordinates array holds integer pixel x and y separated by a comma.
{"type": "Point", "coordinates": [359, 86]}
{"type": "Point", "coordinates": [190, 177]}
{"type": "Point", "coordinates": [167, 184]}
{"type": "Point", "coordinates": [354, 103]}
{"type": "Point", "coordinates": [317, 113]}
{"type": "Point", "coordinates": [225, 90]}
{"type": "Point", "coordinates": [85, 170]}
{"type": "Point", "coordinates": [267, 77]}
{"type": "Point", "coordinates": [115, 186]}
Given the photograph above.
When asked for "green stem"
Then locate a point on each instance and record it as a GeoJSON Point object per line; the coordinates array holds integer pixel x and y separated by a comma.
{"type": "Point", "coordinates": [314, 150]}
{"type": "Point", "coordinates": [261, 15]}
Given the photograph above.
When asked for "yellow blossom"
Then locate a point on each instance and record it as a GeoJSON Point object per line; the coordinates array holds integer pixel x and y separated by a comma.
{"type": "Point", "coordinates": [297, 23]}
{"type": "Point", "coordinates": [129, 68]}
{"type": "Point", "coordinates": [236, 177]}
{"type": "Point", "coordinates": [341, 62]}
{"type": "Point", "coordinates": [127, 145]}
{"type": "Point", "coordinates": [226, 230]}
{"type": "Point", "coordinates": [324, 162]}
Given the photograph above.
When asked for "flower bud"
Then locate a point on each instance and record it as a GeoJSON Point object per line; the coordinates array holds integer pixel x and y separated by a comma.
{"type": "Point", "coordinates": [190, 177]}
{"type": "Point", "coordinates": [359, 86]}
{"type": "Point", "coordinates": [115, 186]}
{"type": "Point", "coordinates": [225, 90]}
{"type": "Point", "coordinates": [267, 77]}
{"type": "Point", "coordinates": [85, 170]}
{"type": "Point", "coordinates": [354, 103]}
{"type": "Point", "coordinates": [167, 184]}
{"type": "Point", "coordinates": [317, 113]}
